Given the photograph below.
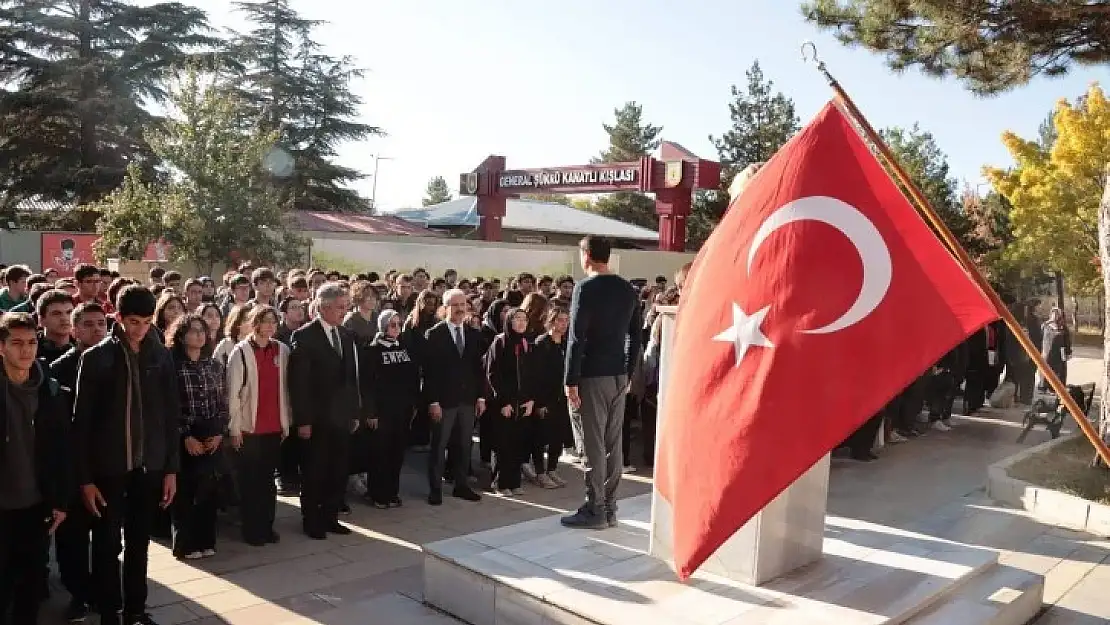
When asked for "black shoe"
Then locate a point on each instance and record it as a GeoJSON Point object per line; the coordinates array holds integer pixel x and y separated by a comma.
{"type": "Point", "coordinates": [274, 538]}
{"type": "Point", "coordinates": [77, 611]}
{"type": "Point", "coordinates": [345, 510]}
{"type": "Point", "coordinates": [338, 528]}
{"type": "Point", "coordinates": [864, 456]}
{"type": "Point", "coordinates": [255, 542]}
{"type": "Point", "coordinates": [315, 533]}
{"type": "Point", "coordinates": [465, 492]}
{"type": "Point", "coordinates": [584, 519]}
{"type": "Point", "coordinates": [139, 619]}
{"type": "Point", "coordinates": [380, 505]}
{"type": "Point", "coordinates": [611, 519]}
{"type": "Point", "coordinates": [435, 498]}
{"type": "Point", "coordinates": [111, 619]}
{"type": "Point", "coordinates": [395, 502]}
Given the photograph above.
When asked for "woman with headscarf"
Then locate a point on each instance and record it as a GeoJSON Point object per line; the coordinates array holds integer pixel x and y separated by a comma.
{"type": "Point", "coordinates": [491, 326]}
{"type": "Point", "coordinates": [395, 377]}
{"type": "Point", "coordinates": [1055, 346]}
{"type": "Point", "coordinates": [510, 376]}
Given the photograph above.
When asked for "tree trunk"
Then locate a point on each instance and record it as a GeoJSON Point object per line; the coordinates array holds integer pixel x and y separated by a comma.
{"type": "Point", "coordinates": [1104, 259]}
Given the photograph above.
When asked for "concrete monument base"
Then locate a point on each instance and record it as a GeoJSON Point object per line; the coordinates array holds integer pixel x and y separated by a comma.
{"type": "Point", "coordinates": [539, 573]}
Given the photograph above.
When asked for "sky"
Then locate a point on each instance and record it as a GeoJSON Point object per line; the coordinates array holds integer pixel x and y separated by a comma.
{"type": "Point", "coordinates": [451, 81]}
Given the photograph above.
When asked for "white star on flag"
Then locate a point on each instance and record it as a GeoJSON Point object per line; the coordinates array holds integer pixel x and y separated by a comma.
{"type": "Point", "coordinates": [745, 332]}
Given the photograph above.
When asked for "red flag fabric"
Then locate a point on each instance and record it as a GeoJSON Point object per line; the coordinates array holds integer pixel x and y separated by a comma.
{"type": "Point", "coordinates": [819, 297]}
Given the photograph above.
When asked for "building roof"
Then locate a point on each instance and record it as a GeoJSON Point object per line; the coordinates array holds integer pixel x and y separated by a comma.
{"type": "Point", "coordinates": [321, 221]}
{"type": "Point", "coordinates": [522, 214]}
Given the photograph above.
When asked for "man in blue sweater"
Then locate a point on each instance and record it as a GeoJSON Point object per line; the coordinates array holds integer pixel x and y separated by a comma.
{"type": "Point", "coordinates": [603, 340]}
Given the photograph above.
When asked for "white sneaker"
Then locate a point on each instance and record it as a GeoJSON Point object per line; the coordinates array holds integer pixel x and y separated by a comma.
{"type": "Point", "coordinates": [558, 481]}
{"type": "Point", "coordinates": [529, 472]}
{"type": "Point", "coordinates": [504, 492]}
{"type": "Point", "coordinates": [896, 438]}
{"type": "Point", "coordinates": [195, 555]}
{"type": "Point", "coordinates": [942, 426]}
{"type": "Point", "coordinates": [208, 553]}
{"type": "Point", "coordinates": [518, 491]}
{"type": "Point", "coordinates": [628, 469]}
{"type": "Point", "coordinates": [545, 481]}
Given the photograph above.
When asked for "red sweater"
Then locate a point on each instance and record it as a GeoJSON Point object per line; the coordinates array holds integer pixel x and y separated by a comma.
{"type": "Point", "coordinates": [268, 418]}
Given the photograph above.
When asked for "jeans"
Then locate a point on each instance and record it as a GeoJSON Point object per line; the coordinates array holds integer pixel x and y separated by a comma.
{"type": "Point", "coordinates": [132, 501]}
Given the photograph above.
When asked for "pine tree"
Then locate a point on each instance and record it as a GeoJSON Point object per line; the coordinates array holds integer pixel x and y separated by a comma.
{"type": "Point", "coordinates": [918, 153]}
{"type": "Point", "coordinates": [304, 95]}
{"type": "Point", "coordinates": [991, 46]}
{"type": "Point", "coordinates": [76, 74]}
{"type": "Point", "coordinates": [437, 192]}
{"type": "Point", "coordinates": [629, 140]}
{"type": "Point", "coordinates": [763, 120]}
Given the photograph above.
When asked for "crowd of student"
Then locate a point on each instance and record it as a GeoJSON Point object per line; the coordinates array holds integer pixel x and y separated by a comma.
{"type": "Point", "coordinates": [141, 409]}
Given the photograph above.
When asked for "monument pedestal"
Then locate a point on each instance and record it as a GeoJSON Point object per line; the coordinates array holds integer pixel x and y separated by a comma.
{"type": "Point", "coordinates": [790, 565]}
{"type": "Point", "coordinates": [785, 535]}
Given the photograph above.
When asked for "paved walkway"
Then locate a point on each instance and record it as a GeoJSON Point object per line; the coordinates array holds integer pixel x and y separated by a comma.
{"type": "Point", "coordinates": [932, 484]}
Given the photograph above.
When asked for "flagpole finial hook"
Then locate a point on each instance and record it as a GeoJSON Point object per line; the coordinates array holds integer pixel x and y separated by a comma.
{"type": "Point", "coordinates": [809, 52]}
{"type": "Point", "coordinates": [809, 55]}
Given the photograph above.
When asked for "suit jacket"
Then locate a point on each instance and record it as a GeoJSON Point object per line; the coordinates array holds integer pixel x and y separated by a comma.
{"type": "Point", "coordinates": [324, 389]}
{"type": "Point", "coordinates": [452, 380]}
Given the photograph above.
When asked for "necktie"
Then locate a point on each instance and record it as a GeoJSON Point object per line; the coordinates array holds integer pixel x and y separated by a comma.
{"type": "Point", "coordinates": [459, 340]}
{"type": "Point", "coordinates": [335, 342]}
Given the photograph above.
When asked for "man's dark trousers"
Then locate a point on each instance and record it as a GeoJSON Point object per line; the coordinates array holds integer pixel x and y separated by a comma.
{"type": "Point", "coordinates": [71, 543]}
{"type": "Point", "coordinates": [325, 476]}
{"type": "Point", "coordinates": [23, 552]}
{"type": "Point", "coordinates": [454, 431]}
{"type": "Point", "coordinates": [599, 423]}
{"type": "Point", "coordinates": [132, 502]}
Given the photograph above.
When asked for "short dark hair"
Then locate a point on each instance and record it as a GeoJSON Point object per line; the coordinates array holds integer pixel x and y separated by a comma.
{"type": "Point", "coordinates": [15, 273]}
{"type": "Point", "coordinates": [85, 270]}
{"type": "Point", "coordinates": [38, 278]}
{"type": "Point", "coordinates": [262, 273]}
{"type": "Point", "coordinates": [16, 321]}
{"type": "Point", "coordinates": [439, 282]}
{"type": "Point", "coordinates": [561, 280]}
{"type": "Point", "coordinates": [450, 272]}
{"type": "Point", "coordinates": [300, 282]}
{"type": "Point", "coordinates": [105, 273]}
{"type": "Point", "coordinates": [524, 275]}
{"type": "Point", "coordinates": [135, 300]}
{"type": "Point", "coordinates": [192, 282]}
{"type": "Point", "coordinates": [85, 308]}
{"type": "Point", "coordinates": [172, 276]}
{"type": "Point", "coordinates": [52, 296]}
{"type": "Point", "coordinates": [116, 286]}
{"type": "Point", "coordinates": [36, 291]}
{"type": "Point", "coordinates": [156, 273]}
{"type": "Point", "coordinates": [599, 249]}
{"type": "Point", "coordinates": [239, 280]}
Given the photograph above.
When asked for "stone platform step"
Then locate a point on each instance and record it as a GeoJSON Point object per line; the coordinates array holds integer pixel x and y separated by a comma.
{"type": "Point", "coordinates": [540, 573]}
{"type": "Point", "coordinates": [1001, 595]}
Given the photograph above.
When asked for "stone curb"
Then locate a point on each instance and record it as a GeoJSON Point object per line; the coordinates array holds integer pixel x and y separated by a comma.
{"type": "Point", "coordinates": [1046, 505]}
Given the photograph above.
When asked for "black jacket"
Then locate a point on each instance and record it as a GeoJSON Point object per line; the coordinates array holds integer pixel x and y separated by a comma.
{"type": "Point", "coordinates": [103, 436]}
{"type": "Point", "coordinates": [64, 370]}
{"type": "Point", "coordinates": [395, 377]}
{"type": "Point", "coordinates": [550, 358]}
{"type": "Point", "coordinates": [324, 389]}
{"type": "Point", "coordinates": [452, 380]}
{"type": "Point", "coordinates": [510, 372]}
{"type": "Point", "coordinates": [52, 438]}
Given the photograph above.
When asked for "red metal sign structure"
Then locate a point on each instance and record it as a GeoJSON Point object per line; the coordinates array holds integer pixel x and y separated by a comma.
{"type": "Point", "coordinates": [672, 179]}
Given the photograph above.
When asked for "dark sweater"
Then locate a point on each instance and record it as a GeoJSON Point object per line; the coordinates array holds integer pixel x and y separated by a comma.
{"type": "Point", "coordinates": [510, 371]}
{"type": "Point", "coordinates": [395, 377]}
{"type": "Point", "coordinates": [550, 357]}
{"type": "Point", "coordinates": [605, 329]}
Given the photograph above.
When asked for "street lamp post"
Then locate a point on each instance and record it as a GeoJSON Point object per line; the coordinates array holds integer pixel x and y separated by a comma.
{"type": "Point", "coordinates": [374, 189]}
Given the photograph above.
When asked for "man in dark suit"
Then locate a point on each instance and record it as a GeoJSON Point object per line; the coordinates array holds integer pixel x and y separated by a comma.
{"type": "Point", "coordinates": [454, 381]}
{"type": "Point", "coordinates": [329, 396]}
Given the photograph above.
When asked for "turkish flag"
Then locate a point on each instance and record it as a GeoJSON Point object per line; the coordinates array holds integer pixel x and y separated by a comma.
{"type": "Point", "coordinates": [820, 296]}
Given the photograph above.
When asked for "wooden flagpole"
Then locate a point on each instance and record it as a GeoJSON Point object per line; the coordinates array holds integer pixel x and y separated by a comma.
{"type": "Point", "coordinates": [926, 209]}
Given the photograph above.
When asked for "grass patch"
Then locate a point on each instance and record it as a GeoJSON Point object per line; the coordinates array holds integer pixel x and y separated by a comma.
{"type": "Point", "coordinates": [1066, 468]}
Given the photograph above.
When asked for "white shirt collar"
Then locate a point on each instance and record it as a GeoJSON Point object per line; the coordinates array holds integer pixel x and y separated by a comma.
{"type": "Point", "coordinates": [327, 326]}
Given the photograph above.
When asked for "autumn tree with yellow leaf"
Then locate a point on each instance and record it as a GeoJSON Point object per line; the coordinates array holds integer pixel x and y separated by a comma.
{"type": "Point", "coordinates": [1055, 190]}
